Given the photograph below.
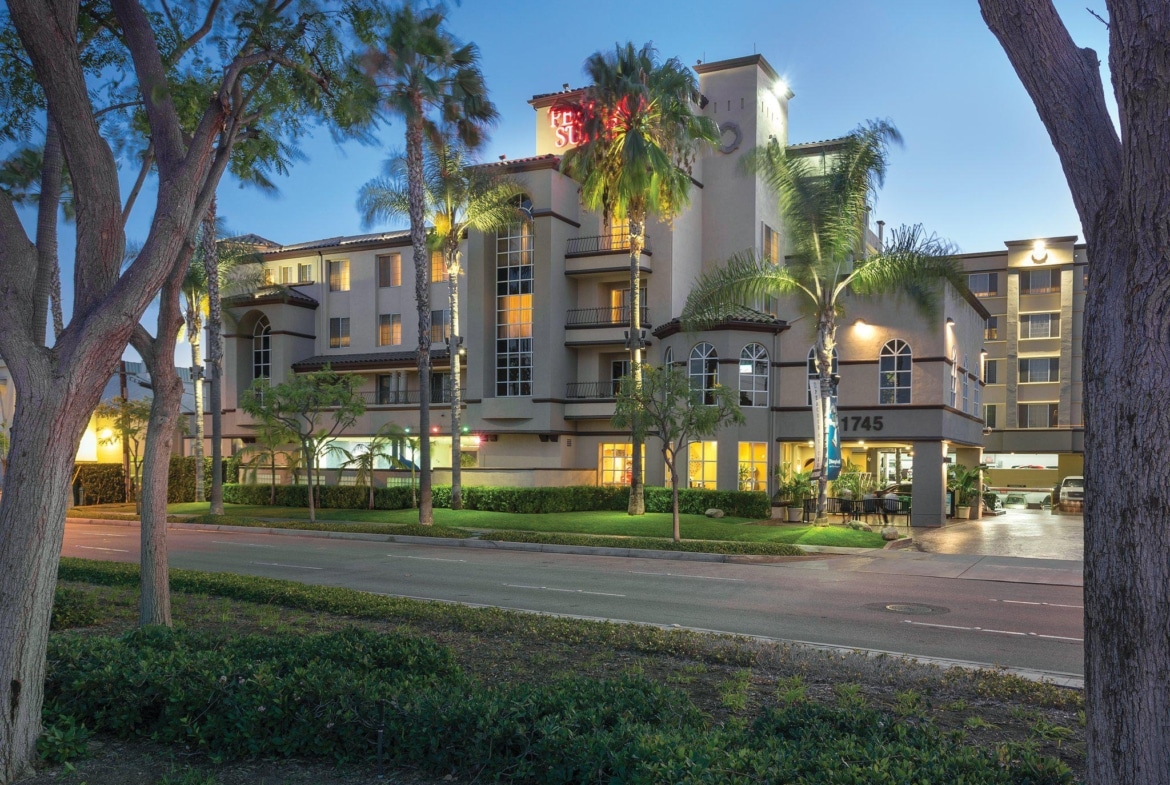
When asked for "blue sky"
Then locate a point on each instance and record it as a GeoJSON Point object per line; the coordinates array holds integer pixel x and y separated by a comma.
{"type": "Point", "coordinates": [977, 167]}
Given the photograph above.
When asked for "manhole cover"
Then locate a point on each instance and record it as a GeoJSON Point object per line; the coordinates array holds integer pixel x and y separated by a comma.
{"type": "Point", "coordinates": [907, 608]}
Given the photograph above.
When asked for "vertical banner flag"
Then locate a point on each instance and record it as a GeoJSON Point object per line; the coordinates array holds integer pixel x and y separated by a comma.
{"type": "Point", "coordinates": [814, 392]}
{"type": "Point", "coordinates": [833, 434]}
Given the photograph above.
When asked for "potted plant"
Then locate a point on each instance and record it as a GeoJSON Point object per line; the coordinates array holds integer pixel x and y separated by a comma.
{"type": "Point", "coordinates": [964, 483]}
{"type": "Point", "coordinates": [801, 487]}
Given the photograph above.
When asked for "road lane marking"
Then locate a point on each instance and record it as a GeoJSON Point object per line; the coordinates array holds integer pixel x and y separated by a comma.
{"type": "Point", "coordinates": [422, 558]}
{"type": "Point", "coordinates": [677, 575]}
{"type": "Point", "coordinates": [569, 591]}
{"type": "Point", "coordinates": [995, 632]}
{"type": "Point", "coordinates": [99, 534]}
{"type": "Point", "coordinates": [275, 564]}
{"type": "Point", "coordinates": [94, 548]}
{"type": "Point", "coordinates": [1049, 604]}
{"type": "Point", "coordinates": [243, 544]}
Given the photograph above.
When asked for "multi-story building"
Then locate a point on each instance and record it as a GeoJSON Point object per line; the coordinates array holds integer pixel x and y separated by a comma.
{"type": "Point", "coordinates": [1034, 291]}
{"type": "Point", "coordinates": [545, 314]}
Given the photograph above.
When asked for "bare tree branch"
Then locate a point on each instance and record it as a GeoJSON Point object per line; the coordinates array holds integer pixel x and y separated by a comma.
{"type": "Point", "coordinates": [195, 37]}
{"type": "Point", "coordinates": [147, 162]}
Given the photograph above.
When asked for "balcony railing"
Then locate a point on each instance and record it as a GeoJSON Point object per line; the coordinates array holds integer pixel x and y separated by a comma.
{"type": "Point", "coordinates": [604, 317]}
{"type": "Point", "coordinates": [597, 391]}
{"type": "Point", "coordinates": [403, 397]}
{"type": "Point", "coordinates": [605, 243]}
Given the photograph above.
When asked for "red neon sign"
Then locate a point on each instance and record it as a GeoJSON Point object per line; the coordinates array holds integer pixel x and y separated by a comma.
{"type": "Point", "coordinates": [567, 122]}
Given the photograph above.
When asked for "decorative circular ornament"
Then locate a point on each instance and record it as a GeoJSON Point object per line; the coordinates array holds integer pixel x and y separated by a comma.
{"type": "Point", "coordinates": [736, 137]}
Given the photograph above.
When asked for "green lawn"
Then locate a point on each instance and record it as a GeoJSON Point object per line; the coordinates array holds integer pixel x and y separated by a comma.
{"type": "Point", "coordinates": [607, 523]}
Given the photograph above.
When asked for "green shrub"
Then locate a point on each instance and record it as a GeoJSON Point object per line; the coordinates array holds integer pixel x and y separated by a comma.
{"type": "Point", "coordinates": [103, 483]}
{"type": "Point", "coordinates": [74, 608]}
{"type": "Point", "coordinates": [577, 498]}
{"type": "Point", "coordinates": [181, 479]}
{"type": "Point", "coordinates": [62, 740]}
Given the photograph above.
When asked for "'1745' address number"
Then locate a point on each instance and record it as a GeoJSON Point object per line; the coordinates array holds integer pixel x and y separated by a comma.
{"type": "Point", "coordinates": [861, 423]}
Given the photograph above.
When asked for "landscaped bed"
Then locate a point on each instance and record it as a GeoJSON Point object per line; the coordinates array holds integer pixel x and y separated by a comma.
{"type": "Point", "coordinates": [280, 679]}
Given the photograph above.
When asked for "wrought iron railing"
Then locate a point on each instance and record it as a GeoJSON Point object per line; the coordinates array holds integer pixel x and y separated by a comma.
{"type": "Point", "coordinates": [592, 390]}
{"type": "Point", "coordinates": [601, 317]}
{"type": "Point", "coordinates": [403, 397]}
{"type": "Point", "coordinates": [604, 243]}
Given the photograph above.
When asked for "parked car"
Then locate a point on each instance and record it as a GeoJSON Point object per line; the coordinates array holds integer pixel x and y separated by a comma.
{"type": "Point", "coordinates": [1070, 494]}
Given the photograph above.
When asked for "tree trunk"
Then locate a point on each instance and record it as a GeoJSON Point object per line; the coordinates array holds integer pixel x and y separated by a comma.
{"type": "Point", "coordinates": [674, 504]}
{"type": "Point", "coordinates": [456, 384]}
{"type": "Point", "coordinates": [422, 294]}
{"type": "Point", "coordinates": [46, 429]}
{"type": "Point", "coordinates": [826, 342]}
{"type": "Point", "coordinates": [637, 504]}
{"type": "Point", "coordinates": [309, 460]}
{"type": "Point", "coordinates": [1121, 188]}
{"type": "Point", "coordinates": [214, 355]}
{"type": "Point", "coordinates": [194, 328]}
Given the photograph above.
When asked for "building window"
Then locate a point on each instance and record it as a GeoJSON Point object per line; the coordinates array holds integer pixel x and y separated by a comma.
{"type": "Point", "coordinates": [771, 245]}
{"type": "Point", "coordinates": [991, 329]}
{"type": "Point", "coordinates": [618, 370]}
{"type": "Point", "coordinates": [1040, 325]}
{"type": "Point", "coordinates": [262, 349]}
{"type": "Point", "coordinates": [338, 332]}
{"type": "Point", "coordinates": [753, 466]}
{"type": "Point", "coordinates": [814, 375]}
{"type": "Point", "coordinates": [668, 357]}
{"type": "Point", "coordinates": [978, 405]}
{"type": "Point", "coordinates": [339, 275]}
{"type": "Point", "coordinates": [991, 371]}
{"type": "Point", "coordinates": [966, 386]}
{"type": "Point", "coordinates": [616, 464]}
{"type": "Point", "coordinates": [388, 389]}
{"type": "Point", "coordinates": [514, 285]}
{"type": "Point", "coordinates": [704, 372]}
{"type": "Point", "coordinates": [1039, 369]}
{"type": "Point", "coordinates": [269, 276]}
{"type": "Point", "coordinates": [753, 375]}
{"type": "Point", "coordinates": [702, 464]}
{"type": "Point", "coordinates": [286, 274]}
{"type": "Point", "coordinates": [894, 372]}
{"type": "Point", "coordinates": [989, 415]}
{"type": "Point", "coordinates": [1038, 415]}
{"type": "Point", "coordinates": [440, 326]}
{"type": "Point", "coordinates": [983, 284]}
{"type": "Point", "coordinates": [440, 387]}
{"type": "Point", "coordinates": [438, 267]}
{"type": "Point", "coordinates": [305, 272]}
{"type": "Point", "coordinates": [390, 329]}
{"type": "Point", "coordinates": [390, 270]}
{"type": "Point", "coordinates": [954, 396]}
{"type": "Point", "coordinates": [1040, 281]}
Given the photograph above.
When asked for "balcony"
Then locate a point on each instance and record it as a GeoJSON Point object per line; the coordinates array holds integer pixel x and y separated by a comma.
{"type": "Point", "coordinates": [605, 391]}
{"type": "Point", "coordinates": [590, 400]}
{"type": "Point", "coordinates": [600, 326]}
{"type": "Point", "coordinates": [402, 397]}
{"type": "Point", "coordinates": [604, 253]}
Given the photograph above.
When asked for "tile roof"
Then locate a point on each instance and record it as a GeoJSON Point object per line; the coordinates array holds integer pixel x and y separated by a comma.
{"type": "Point", "coordinates": [344, 240]}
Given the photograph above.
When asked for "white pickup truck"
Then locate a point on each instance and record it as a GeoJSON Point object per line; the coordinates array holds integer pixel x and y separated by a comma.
{"type": "Point", "coordinates": [1071, 494]}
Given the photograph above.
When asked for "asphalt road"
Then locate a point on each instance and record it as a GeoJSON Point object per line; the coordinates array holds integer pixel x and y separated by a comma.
{"type": "Point", "coordinates": [1020, 614]}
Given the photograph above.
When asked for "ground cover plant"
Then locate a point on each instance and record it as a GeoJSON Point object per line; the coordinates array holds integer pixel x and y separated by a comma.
{"type": "Point", "coordinates": [529, 698]}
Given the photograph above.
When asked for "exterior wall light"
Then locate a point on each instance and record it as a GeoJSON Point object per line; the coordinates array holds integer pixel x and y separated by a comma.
{"type": "Point", "coordinates": [1039, 252]}
{"type": "Point", "coordinates": [950, 323]}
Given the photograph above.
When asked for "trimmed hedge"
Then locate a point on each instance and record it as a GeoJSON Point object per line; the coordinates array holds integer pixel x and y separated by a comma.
{"type": "Point", "coordinates": [649, 543]}
{"type": "Point", "coordinates": [103, 483]}
{"type": "Point", "coordinates": [577, 498]}
{"type": "Point", "coordinates": [325, 696]}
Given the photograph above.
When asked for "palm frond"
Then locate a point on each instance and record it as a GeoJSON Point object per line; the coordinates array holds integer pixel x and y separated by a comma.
{"type": "Point", "coordinates": [912, 263]}
{"type": "Point", "coordinates": [745, 279]}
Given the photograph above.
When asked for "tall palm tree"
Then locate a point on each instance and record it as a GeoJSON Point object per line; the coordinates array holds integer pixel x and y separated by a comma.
{"type": "Point", "coordinates": [825, 213]}
{"type": "Point", "coordinates": [427, 77]}
{"type": "Point", "coordinates": [642, 136]}
{"type": "Point", "coordinates": [459, 197]}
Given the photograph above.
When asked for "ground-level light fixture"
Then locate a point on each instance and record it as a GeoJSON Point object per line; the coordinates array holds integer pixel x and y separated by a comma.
{"type": "Point", "coordinates": [950, 322]}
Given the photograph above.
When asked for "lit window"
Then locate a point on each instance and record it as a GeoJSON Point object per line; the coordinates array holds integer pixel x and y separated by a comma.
{"type": "Point", "coordinates": [702, 464]}
{"type": "Point", "coordinates": [704, 372]}
{"type": "Point", "coordinates": [1040, 281]}
{"type": "Point", "coordinates": [1039, 369]}
{"type": "Point", "coordinates": [440, 326]}
{"type": "Point", "coordinates": [1040, 325]}
{"type": "Point", "coordinates": [771, 245]}
{"type": "Point", "coordinates": [262, 349]}
{"type": "Point", "coordinates": [1038, 415]}
{"type": "Point", "coordinates": [894, 373]}
{"type": "Point", "coordinates": [339, 275]}
{"type": "Point", "coordinates": [753, 376]}
{"type": "Point", "coordinates": [991, 328]}
{"type": "Point", "coordinates": [618, 370]}
{"type": "Point", "coordinates": [753, 466]}
{"type": "Point", "coordinates": [983, 284]}
{"type": "Point", "coordinates": [514, 287]}
{"type": "Point", "coordinates": [390, 270]}
{"type": "Point", "coordinates": [389, 329]}
{"type": "Point", "coordinates": [338, 332]}
{"type": "Point", "coordinates": [438, 267]}
{"type": "Point", "coordinates": [269, 276]}
{"type": "Point", "coordinates": [305, 273]}
{"type": "Point", "coordinates": [616, 464]}
{"type": "Point", "coordinates": [814, 375]}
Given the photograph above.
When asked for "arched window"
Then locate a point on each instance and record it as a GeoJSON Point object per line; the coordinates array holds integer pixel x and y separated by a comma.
{"type": "Point", "coordinates": [753, 375]}
{"type": "Point", "coordinates": [814, 375]}
{"type": "Point", "coordinates": [668, 357]}
{"type": "Point", "coordinates": [894, 373]}
{"type": "Point", "coordinates": [262, 349]}
{"type": "Point", "coordinates": [704, 371]}
{"type": "Point", "coordinates": [966, 386]}
{"type": "Point", "coordinates": [954, 378]}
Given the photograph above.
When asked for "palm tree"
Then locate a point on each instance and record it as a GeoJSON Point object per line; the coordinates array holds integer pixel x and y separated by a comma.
{"type": "Point", "coordinates": [365, 459]}
{"type": "Point", "coordinates": [272, 439]}
{"type": "Point", "coordinates": [641, 137]}
{"type": "Point", "coordinates": [459, 197]}
{"type": "Point", "coordinates": [422, 72]}
{"type": "Point", "coordinates": [825, 213]}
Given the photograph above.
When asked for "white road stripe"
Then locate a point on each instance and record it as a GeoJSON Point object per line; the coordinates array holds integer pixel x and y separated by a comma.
{"type": "Point", "coordinates": [995, 632]}
{"type": "Point", "coordinates": [1049, 604]}
{"type": "Point", "coordinates": [676, 575]}
{"type": "Point", "coordinates": [422, 558]}
{"type": "Point", "coordinates": [93, 548]}
{"type": "Point", "coordinates": [295, 566]}
{"type": "Point", "coordinates": [570, 591]}
{"type": "Point", "coordinates": [243, 544]}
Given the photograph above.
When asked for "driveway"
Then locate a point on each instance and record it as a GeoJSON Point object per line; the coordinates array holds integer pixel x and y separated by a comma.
{"type": "Point", "coordinates": [1036, 534]}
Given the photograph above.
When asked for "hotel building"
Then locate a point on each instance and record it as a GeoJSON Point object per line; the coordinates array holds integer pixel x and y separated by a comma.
{"type": "Point", "coordinates": [545, 309]}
